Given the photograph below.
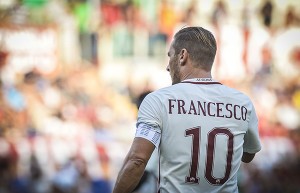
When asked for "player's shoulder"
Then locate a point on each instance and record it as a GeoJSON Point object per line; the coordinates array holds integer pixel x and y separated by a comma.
{"type": "Point", "coordinates": [233, 90]}
{"type": "Point", "coordinates": [162, 92]}
{"type": "Point", "coordinates": [236, 93]}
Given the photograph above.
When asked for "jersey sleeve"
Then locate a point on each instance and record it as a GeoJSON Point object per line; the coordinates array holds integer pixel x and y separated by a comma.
{"type": "Point", "coordinates": [149, 121]}
{"type": "Point", "coordinates": [251, 139]}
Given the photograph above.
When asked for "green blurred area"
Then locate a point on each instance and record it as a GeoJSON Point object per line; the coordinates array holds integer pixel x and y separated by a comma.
{"type": "Point", "coordinates": [35, 3]}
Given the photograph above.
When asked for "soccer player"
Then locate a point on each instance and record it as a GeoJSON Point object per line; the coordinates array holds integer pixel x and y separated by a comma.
{"type": "Point", "coordinates": [202, 129]}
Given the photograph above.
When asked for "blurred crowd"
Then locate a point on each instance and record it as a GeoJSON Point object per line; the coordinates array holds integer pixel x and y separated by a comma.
{"type": "Point", "coordinates": [66, 127]}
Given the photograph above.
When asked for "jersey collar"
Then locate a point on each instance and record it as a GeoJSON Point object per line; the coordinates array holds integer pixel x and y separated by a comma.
{"type": "Point", "coordinates": [201, 81]}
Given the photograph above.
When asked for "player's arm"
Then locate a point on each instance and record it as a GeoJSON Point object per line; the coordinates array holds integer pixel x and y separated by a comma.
{"type": "Point", "coordinates": [134, 165]}
{"type": "Point", "coordinates": [248, 157]}
{"type": "Point", "coordinates": [251, 139]}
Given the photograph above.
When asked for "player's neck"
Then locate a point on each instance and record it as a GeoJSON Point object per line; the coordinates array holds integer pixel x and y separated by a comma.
{"type": "Point", "coordinates": [198, 73]}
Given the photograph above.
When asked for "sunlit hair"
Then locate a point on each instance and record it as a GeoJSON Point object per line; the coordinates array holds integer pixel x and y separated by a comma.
{"type": "Point", "coordinates": [200, 44]}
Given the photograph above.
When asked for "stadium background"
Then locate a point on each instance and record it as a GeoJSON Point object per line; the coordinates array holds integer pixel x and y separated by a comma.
{"type": "Point", "coordinates": [72, 73]}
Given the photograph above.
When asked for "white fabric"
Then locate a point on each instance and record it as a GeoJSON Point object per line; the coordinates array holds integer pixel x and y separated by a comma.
{"type": "Point", "coordinates": [190, 113]}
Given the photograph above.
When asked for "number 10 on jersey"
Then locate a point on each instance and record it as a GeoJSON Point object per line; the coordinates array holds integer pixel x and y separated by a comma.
{"type": "Point", "coordinates": [211, 136]}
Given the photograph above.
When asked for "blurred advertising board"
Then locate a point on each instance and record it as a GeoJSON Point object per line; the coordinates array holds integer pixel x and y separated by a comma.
{"type": "Point", "coordinates": [30, 47]}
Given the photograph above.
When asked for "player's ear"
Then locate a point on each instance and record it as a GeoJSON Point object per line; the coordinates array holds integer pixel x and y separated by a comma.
{"type": "Point", "coordinates": [183, 55]}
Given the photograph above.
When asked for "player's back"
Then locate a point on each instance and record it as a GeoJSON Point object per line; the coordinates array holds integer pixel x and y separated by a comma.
{"type": "Point", "coordinates": [202, 136]}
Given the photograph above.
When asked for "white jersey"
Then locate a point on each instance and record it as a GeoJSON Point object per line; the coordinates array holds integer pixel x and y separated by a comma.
{"type": "Point", "coordinates": [201, 128]}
